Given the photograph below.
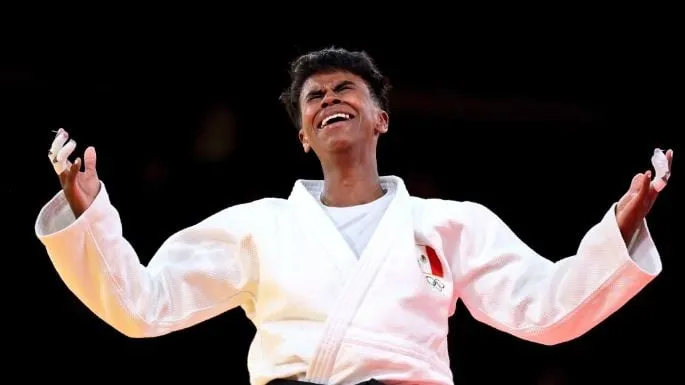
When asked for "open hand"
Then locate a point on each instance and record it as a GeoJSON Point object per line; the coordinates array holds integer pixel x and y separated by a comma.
{"type": "Point", "coordinates": [80, 187]}
{"type": "Point", "coordinates": [636, 203]}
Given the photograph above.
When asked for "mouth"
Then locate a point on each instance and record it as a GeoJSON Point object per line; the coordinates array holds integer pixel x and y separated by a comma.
{"type": "Point", "coordinates": [335, 118]}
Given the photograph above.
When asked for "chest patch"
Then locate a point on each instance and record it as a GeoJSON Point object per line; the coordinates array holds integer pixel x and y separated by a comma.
{"type": "Point", "coordinates": [431, 267]}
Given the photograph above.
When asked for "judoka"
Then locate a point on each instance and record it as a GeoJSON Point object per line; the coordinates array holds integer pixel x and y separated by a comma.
{"type": "Point", "coordinates": [389, 267]}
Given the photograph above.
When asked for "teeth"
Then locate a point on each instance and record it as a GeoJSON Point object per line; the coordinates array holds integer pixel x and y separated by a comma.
{"type": "Point", "coordinates": [338, 115]}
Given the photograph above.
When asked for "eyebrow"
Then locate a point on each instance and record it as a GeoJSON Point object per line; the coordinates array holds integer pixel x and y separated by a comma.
{"type": "Point", "coordinates": [337, 87]}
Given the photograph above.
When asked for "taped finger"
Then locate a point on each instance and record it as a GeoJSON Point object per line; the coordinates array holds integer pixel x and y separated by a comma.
{"type": "Point", "coordinates": [57, 143]}
{"type": "Point", "coordinates": [60, 167]}
{"type": "Point", "coordinates": [60, 161]}
{"type": "Point", "coordinates": [659, 184]}
{"type": "Point", "coordinates": [662, 168]}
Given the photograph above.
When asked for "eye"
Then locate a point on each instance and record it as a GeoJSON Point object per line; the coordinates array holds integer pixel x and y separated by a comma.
{"type": "Point", "coordinates": [313, 96]}
{"type": "Point", "coordinates": [342, 87]}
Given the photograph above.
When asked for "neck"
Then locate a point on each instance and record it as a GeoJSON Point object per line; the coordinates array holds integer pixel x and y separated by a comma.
{"type": "Point", "coordinates": [350, 182]}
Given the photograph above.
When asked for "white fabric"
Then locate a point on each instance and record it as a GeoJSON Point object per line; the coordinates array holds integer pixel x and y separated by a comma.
{"type": "Point", "coordinates": [357, 223]}
{"type": "Point", "coordinates": [325, 316]}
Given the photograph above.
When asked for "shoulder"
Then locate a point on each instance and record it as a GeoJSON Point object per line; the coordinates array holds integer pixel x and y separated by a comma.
{"type": "Point", "coordinates": [247, 216]}
{"type": "Point", "coordinates": [440, 212]}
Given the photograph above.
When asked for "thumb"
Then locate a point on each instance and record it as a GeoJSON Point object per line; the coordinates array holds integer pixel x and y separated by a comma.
{"type": "Point", "coordinates": [90, 159]}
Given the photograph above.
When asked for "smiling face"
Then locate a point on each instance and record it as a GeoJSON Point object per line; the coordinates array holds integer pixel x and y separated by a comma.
{"type": "Point", "coordinates": [339, 113]}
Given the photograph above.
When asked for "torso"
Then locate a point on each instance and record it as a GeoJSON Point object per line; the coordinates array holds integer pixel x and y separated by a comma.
{"type": "Point", "coordinates": [350, 284]}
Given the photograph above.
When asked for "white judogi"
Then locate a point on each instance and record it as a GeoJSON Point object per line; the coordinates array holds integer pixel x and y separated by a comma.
{"type": "Point", "coordinates": [326, 315]}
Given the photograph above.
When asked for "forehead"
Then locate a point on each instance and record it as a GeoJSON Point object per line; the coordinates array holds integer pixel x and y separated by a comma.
{"type": "Point", "coordinates": [331, 79]}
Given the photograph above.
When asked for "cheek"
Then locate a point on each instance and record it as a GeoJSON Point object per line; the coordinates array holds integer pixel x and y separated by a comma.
{"type": "Point", "coordinates": [366, 111]}
{"type": "Point", "coordinates": [370, 118]}
{"type": "Point", "coordinates": [307, 114]}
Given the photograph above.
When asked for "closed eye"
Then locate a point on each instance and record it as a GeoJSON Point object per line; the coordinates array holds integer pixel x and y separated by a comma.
{"type": "Point", "coordinates": [344, 86]}
{"type": "Point", "coordinates": [314, 94]}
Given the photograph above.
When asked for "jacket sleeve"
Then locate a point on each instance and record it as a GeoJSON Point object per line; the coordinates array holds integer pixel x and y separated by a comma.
{"type": "Point", "coordinates": [196, 274]}
{"type": "Point", "coordinates": [507, 285]}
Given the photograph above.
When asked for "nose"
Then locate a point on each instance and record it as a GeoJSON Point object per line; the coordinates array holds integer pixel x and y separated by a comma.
{"type": "Point", "coordinates": [330, 100]}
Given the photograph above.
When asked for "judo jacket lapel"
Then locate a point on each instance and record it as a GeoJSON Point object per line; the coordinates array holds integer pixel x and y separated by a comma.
{"type": "Point", "coordinates": [359, 275]}
{"type": "Point", "coordinates": [316, 224]}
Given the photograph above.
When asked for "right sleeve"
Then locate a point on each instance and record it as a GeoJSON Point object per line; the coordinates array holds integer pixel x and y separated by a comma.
{"type": "Point", "coordinates": [198, 273]}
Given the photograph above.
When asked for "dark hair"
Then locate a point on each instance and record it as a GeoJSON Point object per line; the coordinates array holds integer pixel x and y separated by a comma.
{"type": "Point", "coordinates": [330, 60]}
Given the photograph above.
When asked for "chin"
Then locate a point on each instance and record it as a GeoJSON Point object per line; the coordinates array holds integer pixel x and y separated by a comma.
{"type": "Point", "coordinates": [340, 144]}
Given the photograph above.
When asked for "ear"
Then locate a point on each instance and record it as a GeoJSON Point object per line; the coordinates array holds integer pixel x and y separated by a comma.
{"type": "Point", "coordinates": [304, 140]}
{"type": "Point", "coordinates": [383, 121]}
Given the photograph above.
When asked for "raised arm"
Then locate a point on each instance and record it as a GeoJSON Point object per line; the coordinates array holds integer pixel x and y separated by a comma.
{"type": "Point", "coordinates": [196, 274]}
{"type": "Point", "coordinates": [507, 285]}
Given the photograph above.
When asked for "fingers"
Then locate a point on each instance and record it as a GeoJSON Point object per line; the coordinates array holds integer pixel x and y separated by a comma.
{"type": "Point", "coordinates": [644, 181]}
{"type": "Point", "coordinates": [669, 156]}
{"type": "Point", "coordinates": [58, 142]}
{"type": "Point", "coordinates": [639, 186]}
{"type": "Point", "coordinates": [63, 154]}
{"type": "Point", "coordinates": [634, 189]}
{"type": "Point", "coordinates": [68, 178]}
{"type": "Point", "coordinates": [59, 152]}
{"type": "Point", "coordinates": [90, 159]}
{"type": "Point", "coordinates": [75, 168]}
{"type": "Point", "coordinates": [640, 183]}
{"type": "Point", "coordinates": [635, 183]}
{"type": "Point", "coordinates": [644, 192]}
{"type": "Point", "coordinates": [662, 165]}
{"type": "Point", "coordinates": [640, 197]}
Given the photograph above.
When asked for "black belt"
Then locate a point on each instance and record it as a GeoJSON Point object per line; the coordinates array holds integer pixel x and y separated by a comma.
{"type": "Point", "coordinates": [295, 382]}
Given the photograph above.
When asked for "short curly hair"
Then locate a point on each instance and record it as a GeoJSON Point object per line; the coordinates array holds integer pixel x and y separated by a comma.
{"type": "Point", "coordinates": [330, 60]}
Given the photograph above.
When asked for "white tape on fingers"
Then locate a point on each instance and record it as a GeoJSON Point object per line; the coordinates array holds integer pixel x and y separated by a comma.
{"type": "Point", "coordinates": [658, 184]}
{"type": "Point", "coordinates": [661, 170]}
{"type": "Point", "coordinates": [60, 162]}
{"type": "Point", "coordinates": [57, 143]}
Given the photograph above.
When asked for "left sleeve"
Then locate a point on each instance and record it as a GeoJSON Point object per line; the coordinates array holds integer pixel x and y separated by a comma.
{"type": "Point", "coordinates": [507, 285]}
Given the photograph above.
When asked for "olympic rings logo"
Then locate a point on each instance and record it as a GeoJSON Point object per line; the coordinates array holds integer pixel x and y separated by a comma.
{"type": "Point", "coordinates": [435, 283]}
